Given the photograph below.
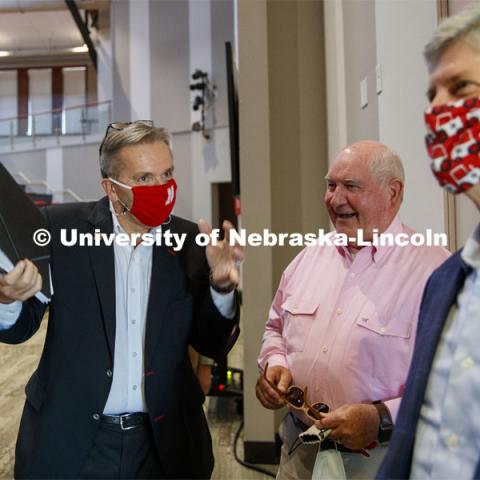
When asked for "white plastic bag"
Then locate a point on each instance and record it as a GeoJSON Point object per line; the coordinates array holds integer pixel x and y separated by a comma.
{"type": "Point", "coordinates": [328, 466]}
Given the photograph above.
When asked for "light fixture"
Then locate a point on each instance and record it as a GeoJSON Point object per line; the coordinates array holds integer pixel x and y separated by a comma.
{"type": "Point", "coordinates": [4, 53]}
{"type": "Point", "coordinates": [81, 49]}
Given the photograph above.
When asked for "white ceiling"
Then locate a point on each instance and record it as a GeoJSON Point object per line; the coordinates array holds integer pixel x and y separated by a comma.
{"type": "Point", "coordinates": [48, 30]}
{"type": "Point", "coordinates": [46, 26]}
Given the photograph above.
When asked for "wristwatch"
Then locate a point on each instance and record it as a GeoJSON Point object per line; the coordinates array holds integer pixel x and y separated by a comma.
{"type": "Point", "coordinates": [385, 428]}
{"type": "Point", "coordinates": [223, 290]}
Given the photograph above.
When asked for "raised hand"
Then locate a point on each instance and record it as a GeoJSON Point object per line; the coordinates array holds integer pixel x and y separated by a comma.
{"type": "Point", "coordinates": [223, 258]}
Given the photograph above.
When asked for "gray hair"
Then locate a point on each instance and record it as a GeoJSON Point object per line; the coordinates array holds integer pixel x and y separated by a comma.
{"type": "Point", "coordinates": [134, 133]}
{"type": "Point", "coordinates": [465, 25]}
{"type": "Point", "coordinates": [386, 165]}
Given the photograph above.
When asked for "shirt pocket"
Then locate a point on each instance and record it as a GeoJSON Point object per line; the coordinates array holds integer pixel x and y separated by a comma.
{"type": "Point", "coordinates": [298, 320]}
{"type": "Point", "coordinates": [380, 346]}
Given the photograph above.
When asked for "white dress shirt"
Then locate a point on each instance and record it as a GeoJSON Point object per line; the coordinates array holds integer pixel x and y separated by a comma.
{"type": "Point", "coordinates": [133, 267]}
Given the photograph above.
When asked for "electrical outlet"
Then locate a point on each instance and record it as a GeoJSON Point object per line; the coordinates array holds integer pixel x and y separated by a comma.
{"type": "Point", "coordinates": [363, 93]}
{"type": "Point", "coordinates": [378, 71]}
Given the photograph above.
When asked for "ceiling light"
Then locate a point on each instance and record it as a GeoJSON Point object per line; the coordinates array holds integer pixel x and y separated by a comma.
{"type": "Point", "coordinates": [4, 53]}
{"type": "Point", "coordinates": [81, 49]}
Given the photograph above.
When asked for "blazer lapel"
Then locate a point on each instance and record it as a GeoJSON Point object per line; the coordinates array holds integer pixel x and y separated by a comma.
{"type": "Point", "coordinates": [164, 265]}
{"type": "Point", "coordinates": [440, 296]}
{"type": "Point", "coordinates": [444, 294]}
{"type": "Point", "coordinates": [103, 265]}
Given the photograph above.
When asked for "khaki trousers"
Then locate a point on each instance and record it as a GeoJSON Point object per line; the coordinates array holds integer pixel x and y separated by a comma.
{"type": "Point", "coordinates": [299, 464]}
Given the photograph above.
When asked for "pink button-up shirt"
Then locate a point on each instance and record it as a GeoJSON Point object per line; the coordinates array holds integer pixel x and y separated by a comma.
{"type": "Point", "coordinates": [345, 326]}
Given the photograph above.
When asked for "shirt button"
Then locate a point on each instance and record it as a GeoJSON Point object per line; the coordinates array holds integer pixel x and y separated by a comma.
{"type": "Point", "coordinates": [134, 387]}
{"type": "Point", "coordinates": [109, 373]}
{"type": "Point", "coordinates": [382, 330]}
{"type": "Point", "coordinates": [468, 362]}
{"type": "Point", "coordinates": [134, 322]}
{"type": "Point", "coordinates": [317, 388]}
{"type": "Point", "coordinates": [132, 290]}
{"type": "Point", "coordinates": [134, 354]}
{"type": "Point", "coordinates": [324, 349]}
{"type": "Point", "coordinates": [96, 416]}
{"type": "Point", "coordinates": [339, 311]}
{"type": "Point", "coordinates": [352, 276]}
{"type": "Point", "coordinates": [453, 440]}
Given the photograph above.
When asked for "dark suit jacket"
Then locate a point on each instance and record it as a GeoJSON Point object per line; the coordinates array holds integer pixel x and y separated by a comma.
{"type": "Point", "coordinates": [440, 294]}
{"type": "Point", "coordinates": [71, 383]}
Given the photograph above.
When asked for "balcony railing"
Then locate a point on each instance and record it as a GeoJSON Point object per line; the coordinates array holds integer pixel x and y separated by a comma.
{"type": "Point", "coordinates": [82, 121]}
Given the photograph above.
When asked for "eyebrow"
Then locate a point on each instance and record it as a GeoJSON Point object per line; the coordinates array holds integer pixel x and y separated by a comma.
{"type": "Point", "coordinates": [448, 80]}
{"type": "Point", "coordinates": [347, 180]}
{"type": "Point", "coordinates": [141, 174]}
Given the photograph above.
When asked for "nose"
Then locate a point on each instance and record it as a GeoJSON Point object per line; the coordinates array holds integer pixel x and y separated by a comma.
{"type": "Point", "coordinates": [442, 96]}
{"type": "Point", "coordinates": [337, 197]}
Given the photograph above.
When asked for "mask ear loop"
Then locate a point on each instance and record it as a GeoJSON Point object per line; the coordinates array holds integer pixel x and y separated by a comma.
{"type": "Point", "coordinates": [125, 208]}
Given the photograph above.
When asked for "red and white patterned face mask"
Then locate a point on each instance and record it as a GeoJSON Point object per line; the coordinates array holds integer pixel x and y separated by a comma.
{"type": "Point", "coordinates": [453, 143]}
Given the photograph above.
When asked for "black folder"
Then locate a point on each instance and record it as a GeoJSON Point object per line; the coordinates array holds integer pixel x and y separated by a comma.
{"type": "Point", "coordinates": [19, 219]}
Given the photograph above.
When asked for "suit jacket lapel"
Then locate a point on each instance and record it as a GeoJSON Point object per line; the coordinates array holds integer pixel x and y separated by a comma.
{"type": "Point", "coordinates": [161, 287]}
{"type": "Point", "coordinates": [438, 307]}
{"type": "Point", "coordinates": [103, 265]}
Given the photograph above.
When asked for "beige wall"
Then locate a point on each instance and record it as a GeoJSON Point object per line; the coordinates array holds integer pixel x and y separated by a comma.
{"type": "Point", "coordinates": [283, 160]}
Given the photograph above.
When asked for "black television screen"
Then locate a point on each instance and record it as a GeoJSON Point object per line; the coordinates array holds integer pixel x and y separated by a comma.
{"type": "Point", "coordinates": [233, 126]}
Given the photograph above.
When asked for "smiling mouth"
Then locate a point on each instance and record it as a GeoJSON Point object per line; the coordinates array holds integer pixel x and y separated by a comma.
{"type": "Point", "coordinates": [345, 216]}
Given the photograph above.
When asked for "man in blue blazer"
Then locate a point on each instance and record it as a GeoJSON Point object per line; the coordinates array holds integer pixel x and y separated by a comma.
{"type": "Point", "coordinates": [437, 433]}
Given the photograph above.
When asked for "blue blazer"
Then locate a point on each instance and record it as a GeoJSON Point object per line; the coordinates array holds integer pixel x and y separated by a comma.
{"type": "Point", "coordinates": [440, 294]}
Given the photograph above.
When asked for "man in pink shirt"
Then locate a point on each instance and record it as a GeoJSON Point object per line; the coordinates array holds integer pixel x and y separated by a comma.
{"type": "Point", "coordinates": [343, 320]}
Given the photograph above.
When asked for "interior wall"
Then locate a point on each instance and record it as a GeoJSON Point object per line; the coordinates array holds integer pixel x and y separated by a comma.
{"type": "Point", "coordinates": [403, 100]}
{"type": "Point", "coordinates": [359, 52]}
{"type": "Point", "coordinates": [283, 161]}
{"type": "Point", "coordinates": [120, 61]}
{"type": "Point", "coordinates": [375, 33]}
{"type": "Point", "coordinates": [81, 171]}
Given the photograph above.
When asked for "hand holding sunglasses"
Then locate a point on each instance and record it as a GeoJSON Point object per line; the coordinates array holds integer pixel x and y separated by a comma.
{"type": "Point", "coordinates": [296, 398]}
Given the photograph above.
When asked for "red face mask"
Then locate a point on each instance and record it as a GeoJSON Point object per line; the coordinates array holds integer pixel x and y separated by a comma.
{"type": "Point", "coordinates": [152, 204]}
{"type": "Point", "coordinates": [453, 143]}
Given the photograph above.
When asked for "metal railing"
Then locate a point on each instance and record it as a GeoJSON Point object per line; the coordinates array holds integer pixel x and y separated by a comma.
{"type": "Point", "coordinates": [57, 195]}
{"type": "Point", "coordinates": [81, 120]}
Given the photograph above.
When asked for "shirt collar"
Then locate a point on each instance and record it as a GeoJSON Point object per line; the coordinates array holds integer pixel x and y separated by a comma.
{"type": "Point", "coordinates": [377, 252]}
{"type": "Point", "coordinates": [471, 252]}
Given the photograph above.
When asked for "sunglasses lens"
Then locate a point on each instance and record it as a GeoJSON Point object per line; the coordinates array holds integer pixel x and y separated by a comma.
{"type": "Point", "coordinates": [295, 397]}
{"type": "Point", "coordinates": [321, 407]}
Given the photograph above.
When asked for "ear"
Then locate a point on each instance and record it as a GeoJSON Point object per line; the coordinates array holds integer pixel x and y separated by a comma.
{"type": "Point", "coordinates": [109, 189]}
{"type": "Point", "coordinates": [395, 191]}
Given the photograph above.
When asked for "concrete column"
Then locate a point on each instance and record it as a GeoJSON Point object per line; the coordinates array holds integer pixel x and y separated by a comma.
{"type": "Point", "coordinates": [283, 148]}
{"type": "Point", "coordinates": [140, 86]}
{"type": "Point", "coordinates": [54, 167]}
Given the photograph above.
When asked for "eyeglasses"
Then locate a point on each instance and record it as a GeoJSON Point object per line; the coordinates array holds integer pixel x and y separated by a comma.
{"type": "Point", "coordinates": [121, 126]}
{"type": "Point", "coordinates": [296, 397]}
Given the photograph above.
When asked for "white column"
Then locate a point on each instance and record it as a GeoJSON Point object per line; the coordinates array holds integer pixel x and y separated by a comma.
{"type": "Point", "coordinates": [200, 40]}
{"type": "Point", "coordinates": [54, 167]}
{"type": "Point", "coordinates": [140, 87]}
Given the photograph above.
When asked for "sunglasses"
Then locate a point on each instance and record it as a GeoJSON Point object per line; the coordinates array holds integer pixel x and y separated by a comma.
{"type": "Point", "coordinates": [121, 126]}
{"type": "Point", "coordinates": [296, 398]}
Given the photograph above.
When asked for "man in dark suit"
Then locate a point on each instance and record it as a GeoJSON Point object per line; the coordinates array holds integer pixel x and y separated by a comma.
{"type": "Point", "coordinates": [114, 394]}
{"type": "Point", "coordinates": [437, 434]}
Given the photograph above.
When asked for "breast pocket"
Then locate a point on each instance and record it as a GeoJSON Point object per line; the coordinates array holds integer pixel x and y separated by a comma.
{"type": "Point", "coordinates": [298, 320]}
{"type": "Point", "coordinates": [380, 345]}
